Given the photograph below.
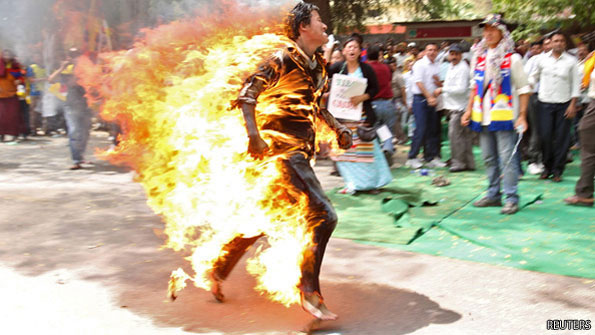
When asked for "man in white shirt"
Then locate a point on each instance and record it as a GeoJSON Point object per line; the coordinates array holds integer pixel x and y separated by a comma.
{"type": "Point", "coordinates": [455, 95]}
{"type": "Point", "coordinates": [586, 129]}
{"type": "Point", "coordinates": [559, 89]}
{"type": "Point", "coordinates": [497, 107]}
{"type": "Point", "coordinates": [426, 79]}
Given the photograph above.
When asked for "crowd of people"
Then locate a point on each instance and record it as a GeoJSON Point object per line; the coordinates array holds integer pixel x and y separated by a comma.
{"type": "Point", "coordinates": [519, 101]}
{"type": "Point", "coordinates": [492, 92]}
{"type": "Point", "coordinates": [37, 102]}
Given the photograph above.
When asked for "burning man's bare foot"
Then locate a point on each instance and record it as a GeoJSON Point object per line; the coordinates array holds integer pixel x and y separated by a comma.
{"type": "Point", "coordinates": [313, 304]}
{"type": "Point", "coordinates": [216, 287]}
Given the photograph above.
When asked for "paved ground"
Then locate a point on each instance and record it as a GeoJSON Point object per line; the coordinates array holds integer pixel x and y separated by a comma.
{"type": "Point", "coordinates": [80, 254]}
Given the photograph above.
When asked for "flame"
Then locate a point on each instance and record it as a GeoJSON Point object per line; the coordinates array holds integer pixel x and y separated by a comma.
{"type": "Point", "coordinates": [171, 94]}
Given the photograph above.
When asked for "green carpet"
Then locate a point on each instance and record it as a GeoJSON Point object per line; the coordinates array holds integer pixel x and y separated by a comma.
{"type": "Point", "coordinates": [411, 214]}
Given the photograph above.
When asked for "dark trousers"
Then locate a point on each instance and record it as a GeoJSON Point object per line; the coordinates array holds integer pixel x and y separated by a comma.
{"type": "Point", "coordinates": [531, 143]}
{"type": "Point", "coordinates": [554, 130]}
{"type": "Point", "coordinates": [427, 131]}
{"type": "Point", "coordinates": [321, 219]}
{"type": "Point", "coordinates": [586, 131]}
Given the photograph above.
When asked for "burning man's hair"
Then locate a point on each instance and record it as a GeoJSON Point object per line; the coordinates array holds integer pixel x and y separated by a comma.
{"type": "Point", "coordinates": [301, 13]}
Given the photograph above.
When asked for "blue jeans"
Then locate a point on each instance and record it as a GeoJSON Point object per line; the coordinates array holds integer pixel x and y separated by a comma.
{"type": "Point", "coordinates": [78, 121]}
{"type": "Point", "coordinates": [427, 132]}
{"type": "Point", "coordinates": [496, 148]}
{"type": "Point", "coordinates": [386, 113]}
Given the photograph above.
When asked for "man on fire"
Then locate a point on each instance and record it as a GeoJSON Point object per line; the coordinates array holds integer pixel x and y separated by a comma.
{"type": "Point", "coordinates": [290, 131]}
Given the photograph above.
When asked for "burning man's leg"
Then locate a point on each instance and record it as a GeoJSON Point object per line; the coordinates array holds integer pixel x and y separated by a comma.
{"type": "Point", "coordinates": [323, 218]}
{"type": "Point", "coordinates": [235, 249]}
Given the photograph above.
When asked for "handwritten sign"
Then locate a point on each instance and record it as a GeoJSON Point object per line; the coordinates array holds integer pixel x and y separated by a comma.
{"type": "Point", "coordinates": [342, 89]}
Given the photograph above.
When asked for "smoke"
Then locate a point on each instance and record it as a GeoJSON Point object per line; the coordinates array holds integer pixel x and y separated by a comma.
{"type": "Point", "coordinates": [27, 25]}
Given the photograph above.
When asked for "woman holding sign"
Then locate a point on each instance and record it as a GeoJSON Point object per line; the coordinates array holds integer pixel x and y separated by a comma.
{"type": "Point", "coordinates": [363, 166]}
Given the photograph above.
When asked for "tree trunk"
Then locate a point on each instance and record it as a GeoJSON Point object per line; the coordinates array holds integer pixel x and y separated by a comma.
{"type": "Point", "coordinates": [325, 12]}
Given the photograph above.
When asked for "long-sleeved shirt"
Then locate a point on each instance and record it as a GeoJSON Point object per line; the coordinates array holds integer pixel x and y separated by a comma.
{"type": "Point", "coordinates": [558, 78]}
{"type": "Point", "coordinates": [520, 85]}
{"type": "Point", "coordinates": [456, 86]}
{"type": "Point", "coordinates": [424, 71]}
{"type": "Point", "coordinates": [383, 76]}
{"type": "Point", "coordinates": [289, 85]}
{"type": "Point", "coordinates": [530, 66]}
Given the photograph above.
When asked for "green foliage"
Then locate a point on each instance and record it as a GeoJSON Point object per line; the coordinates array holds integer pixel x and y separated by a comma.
{"type": "Point", "coordinates": [537, 16]}
{"type": "Point", "coordinates": [349, 14]}
{"type": "Point", "coordinates": [439, 9]}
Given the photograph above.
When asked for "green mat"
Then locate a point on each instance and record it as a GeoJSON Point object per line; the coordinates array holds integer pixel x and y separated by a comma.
{"type": "Point", "coordinates": [411, 214]}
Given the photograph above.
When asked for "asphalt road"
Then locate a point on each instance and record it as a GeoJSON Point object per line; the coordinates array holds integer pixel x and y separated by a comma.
{"type": "Point", "coordinates": [80, 253]}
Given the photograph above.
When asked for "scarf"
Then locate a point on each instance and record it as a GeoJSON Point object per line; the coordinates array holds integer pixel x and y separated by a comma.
{"type": "Point", "coordinates": [505, 46]}
{"type": "Point", "coordinates": [502, 112]}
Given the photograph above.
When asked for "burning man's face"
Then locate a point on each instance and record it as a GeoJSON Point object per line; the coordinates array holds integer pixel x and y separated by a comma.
{"type": "Point", "coordinates": [352, 51]}
{"type": "Point", "coordinates": [316, 30]}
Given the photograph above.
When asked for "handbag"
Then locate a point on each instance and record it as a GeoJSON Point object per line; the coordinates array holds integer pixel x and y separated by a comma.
{"type": "Point", "coordinates": [367, 134]}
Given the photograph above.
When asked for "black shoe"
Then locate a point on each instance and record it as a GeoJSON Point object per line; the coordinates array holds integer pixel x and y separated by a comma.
{"type": "Point", "coordinates": [457, 169]}
{"type": "Point", "coordinates": [510, 208]}
{"type": "Point", "coordinates": [488, 202]}
{"type": "Point", "coordinates": [556, 179]}
{"type": "Point", "coordinates": [544, 175]}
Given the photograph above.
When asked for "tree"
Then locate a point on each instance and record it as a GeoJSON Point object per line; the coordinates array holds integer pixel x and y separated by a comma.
{"type": "Point", "coordinates": [347, 15]}
{"type": "Point", "coordinates": [536, 16]}
{"type": "Point", "coordinates": [439, 9]}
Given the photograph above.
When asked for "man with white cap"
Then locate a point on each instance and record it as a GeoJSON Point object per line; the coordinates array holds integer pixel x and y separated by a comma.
{"type": "Point", "coordinates": [497, 107]}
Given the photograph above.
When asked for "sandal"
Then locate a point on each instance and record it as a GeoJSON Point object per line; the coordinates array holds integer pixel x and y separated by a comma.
{"type": "Point", "coordinates": [575, 200]}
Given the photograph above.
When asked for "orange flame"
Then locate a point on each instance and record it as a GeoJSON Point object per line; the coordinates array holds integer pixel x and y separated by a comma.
{"type": "Point", "coordinates": [171, 93]}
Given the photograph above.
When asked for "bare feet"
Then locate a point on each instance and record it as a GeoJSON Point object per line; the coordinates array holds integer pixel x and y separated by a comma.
{"type": "Point", "coordinates": [216, 287]}
{"type": "Point", "coordinates": [313, 304]}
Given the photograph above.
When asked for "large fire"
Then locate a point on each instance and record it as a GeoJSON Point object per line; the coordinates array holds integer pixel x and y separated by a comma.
{"type": "Point", "coordinates": [172, 94]}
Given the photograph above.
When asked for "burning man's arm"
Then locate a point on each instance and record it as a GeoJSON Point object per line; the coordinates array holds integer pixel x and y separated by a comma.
{"type": "Point", "coordinates": [257, 147]}
{"type": "Point", "coordinates": [343, 133]}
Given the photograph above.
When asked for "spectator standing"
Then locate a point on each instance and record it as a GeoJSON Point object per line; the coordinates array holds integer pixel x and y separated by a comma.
{"type": "Point", "coordinates": [559, 89]}
{"type": "Point", "coordinates": [497, 106]}
{"type": "Point", "coordinates": [36, 75]}
{"type": "Point", "coordinates": [10, 115]}
{"type": "Point", "coordinates": [583, 191]}
{"type": "Point", "coordinates": [408, 122]}
{"type": "Point", "coordinates": [363, 167]}
{"type": "Point", "coordinates": [534, 141]}
{"type": "Point", "coordinates": [455, 93]}
{"type": "Point", "coordinates": [583, 102]}
{"type": "Point", "coordinates": [426, 79]}
{"type": "Point", "coordinates": [400, 54]}
{"type": "Point", "coordinates": [76, 112]}
{"type": "Point", "coordinates": [399, 88]}
{"type": "Point", "coordinates": [386, 112]}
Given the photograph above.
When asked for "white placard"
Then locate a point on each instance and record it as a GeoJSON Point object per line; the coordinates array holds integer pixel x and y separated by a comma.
{"type": "Point", "coordinates": [383, 133]}
{"type": "Point", "coordinates": [342, 89]}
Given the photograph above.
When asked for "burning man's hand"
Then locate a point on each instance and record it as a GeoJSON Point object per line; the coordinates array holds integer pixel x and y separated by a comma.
{"type": "Point", "coordinates": [257, 147]}
{"type": "Point", "coordinates": [345, 138]}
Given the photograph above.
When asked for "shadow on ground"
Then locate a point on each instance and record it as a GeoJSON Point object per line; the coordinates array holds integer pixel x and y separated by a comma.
{"type": "Point", "coordinates": [116, 241]}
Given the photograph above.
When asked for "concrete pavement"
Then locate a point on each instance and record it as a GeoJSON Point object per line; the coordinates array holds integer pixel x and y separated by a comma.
{"type": "Point", "coordinates": [80, 254]}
